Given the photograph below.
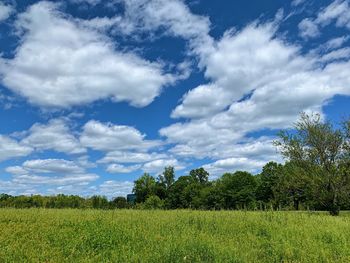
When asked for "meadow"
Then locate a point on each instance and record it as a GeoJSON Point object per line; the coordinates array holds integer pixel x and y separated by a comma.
{"type": "Point", "coordinates": [68, 235]}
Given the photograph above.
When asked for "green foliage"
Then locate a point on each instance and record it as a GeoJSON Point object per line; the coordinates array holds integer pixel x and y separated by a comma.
{"type": "Point", "coordinates": [200, 175]}
{"type": "Point", "coordinates": [176, 196]}
{"type": "Point", "coordinates": [120, 202]}
{"type": "Point", "coordinates": [168, 177]}
{"type": "Point", "coordinates": [267, 183]}
{"type": "Point", "coordinates": [316, 176]}
{"type": "Point", "coordinates": [153, 202]}
{"type": "Point", "coordinates": [237, 190]}
{"type": "Point", "coordinates": [144, 187]}
{"type": "Point", "coordinates": [322, 152]}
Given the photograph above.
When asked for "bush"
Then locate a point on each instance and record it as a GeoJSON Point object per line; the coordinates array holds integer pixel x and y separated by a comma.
{"type": "Point", "coordinates": [153, 202]}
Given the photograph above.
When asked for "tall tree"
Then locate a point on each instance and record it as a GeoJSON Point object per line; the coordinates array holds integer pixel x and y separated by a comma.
{"type": "Point", "coordinates": [237, 190]}
{"type": "Point", "coordinates": [144, 187]}
{"type": "Point", "coordinates": [294, 187]}
{"type": "Point", "coordinates": [200, 175]}
{"type": "Point", "coordinates": [165, 181]}
{"type": "Point", "coordinates": [177, 195]}
{"type": "Point", "coordinates": [167, 177]}
{"type": "Point", "coordinates": [322, 152]}
{"type": "Point", "coordinates": [267, 182]}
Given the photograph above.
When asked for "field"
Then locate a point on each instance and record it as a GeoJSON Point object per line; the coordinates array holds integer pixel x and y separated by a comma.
{"type": "Point", "coordinates": [39, 235]}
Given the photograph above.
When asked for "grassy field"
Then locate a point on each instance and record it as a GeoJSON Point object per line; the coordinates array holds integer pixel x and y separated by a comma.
{"type": "Point", "coordinates": [38, 235]}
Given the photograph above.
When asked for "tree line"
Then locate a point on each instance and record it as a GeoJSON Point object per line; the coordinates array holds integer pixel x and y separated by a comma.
{"type": "Point", "coordinates": [315, 176]}
{"type": "Point", "coordinates": [62, 201]}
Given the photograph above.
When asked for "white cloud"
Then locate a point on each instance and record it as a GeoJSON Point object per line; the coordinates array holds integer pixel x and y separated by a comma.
{"type": "Point", "coordinates": [110, 137]}
{"type": "Point", "coordinates": [297, 2]}
{"type": "Point", "coordinates": [119, 168]}
{"type": "Point", "coordinates": [54, 180]}
{"type": "Point", "coordinates": [60, 63]}
{"type": "Point", "coordinates": [198, 138]}
{"type": "Point", "coordinates": [81, 189]}
{"type": "Point", "coordinates": [342, 53]}
{"type": "Point", "coordinates": [241, 62]}
{"type": "Point", "coordinates": [116, 188]}
{"type": "Point", "coordinates": [281, 82]}
{"type": "Point", "coordinates": [10, 148]}
{"type": "Point", "coordinates": [338, 11]}
{"type": "Point", "coordinates": [233, 164]}
{"type": "Point", "coordinates": [174, 17]}
{"type": "Point", "coordinates": [5, 11]}
{"type": "Point", "coordinates": [50, 172]}
{"type": "Point", "coordinates": [60, 166]}
{"type": "Point", "coordinates": [13, 188]}
{"type": "Point", "coordinates": [308, 28]}
{"type": "Point", "coordinates": [157, 166]}
{"type": "Point", "coordinates": [55, 135]}
{"type": "Point", "coordinates": [335, 42]}
{"type": "Point", "coordinates": [130, 157]}
{"type": "Point", "coordinates": [202, 101]}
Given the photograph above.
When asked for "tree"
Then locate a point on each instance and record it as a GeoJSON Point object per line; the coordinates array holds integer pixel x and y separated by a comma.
{"type": "Point", "coordinates": [153, 202]}
{"type": "Point", "coordinates": [237, 190]}
{"type": "Point", "coordinates": [98, 201]}
{"type": "Point", "coordinates": [144, 187]}
{"type": "Point", "coordinates": [322, 152]}
{"type": "Point", "coordinates": [267, 182]}
{"type": "Point", "coordinates": [165, 180]}
{"type": "Point", "coordinates": [200, 175]}
{"type": "Point", "coordinates": [294, 187]}
{"type": "Point", "coordinates": [168, 177]}
{"type": "Point", "coordinates": [176, 197]}
{"type": "Point", "coordinates": [209, 197]}
{"type": "Point", "coordinates": [120, 202]}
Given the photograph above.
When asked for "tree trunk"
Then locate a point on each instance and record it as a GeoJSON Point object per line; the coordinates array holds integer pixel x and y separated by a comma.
{"type": "Point", "coordinates": [296, 204]}
{"type": "Point", "coordinates": [334, 207]}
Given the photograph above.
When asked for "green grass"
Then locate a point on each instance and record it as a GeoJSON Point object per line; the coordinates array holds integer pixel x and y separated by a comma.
{"type": "Point", "coordinates": [38, 235]}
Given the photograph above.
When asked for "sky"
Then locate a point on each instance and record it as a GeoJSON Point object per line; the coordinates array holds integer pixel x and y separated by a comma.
{"type": "Point", "coordinates": [95, 93]}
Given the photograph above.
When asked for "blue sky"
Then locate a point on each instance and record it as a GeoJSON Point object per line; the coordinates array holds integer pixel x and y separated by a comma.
{"type": "Point", "coordinates": [94, 93]}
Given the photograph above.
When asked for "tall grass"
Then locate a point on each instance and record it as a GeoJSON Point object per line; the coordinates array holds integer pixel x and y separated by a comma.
{"type": "Point", "coordinates": [39, 235]}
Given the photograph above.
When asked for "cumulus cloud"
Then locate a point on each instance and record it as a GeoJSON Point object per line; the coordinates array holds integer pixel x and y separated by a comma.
{"type": "Point", "coordinates": [233, 164]}
{"type": "Point", "coordinates": [157, 17]}
{"type": "Point", "coordinates": [308, 28]}
{"type": "Point", "coordinates": [202, 101]}
{"type": "Point", "coordinates": [338, 12]}
{"type": "Point", "coordinates": [174, 17]}
{"type": "Point", "coordinates": [10, 148]}
{"type": "Point", "coordinates": [116, 188]}
{"type": "Point", "coordinates": [110, 137]}
{"type": "Point", "coordinates": [335, 42]}
{"type": "Point", "coordinates": [5, 11]}
{"type": "Point", "coordinates": [51, 166]}
{"type": "Point", "coordinates": [119, 168]}
{"type": "Point", "coordinates": [255, 79]}
{"type": "Point", "coordinates": [157, 166]}
{"type": "Point", "coordinates": [50, 172]}
{"type": "Point", "coordinates": [249, 155]}
{"type": "Point", "coordinates": [55, 135]}
{"type": "Point", "coordinates": [13, 188]}
{"type": "Point", "coordinates": [54, 180]}
{"type": "Point", "coordinates": [241, 62]}
{"type": "Point", "coordinates": [60, 63]}
{"type": "Point", "coordinates": [265, 82]}
{"type": "Point", "coordinates": [339, 54]}
{"type": "Point", "coordinates": [130, 157]}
